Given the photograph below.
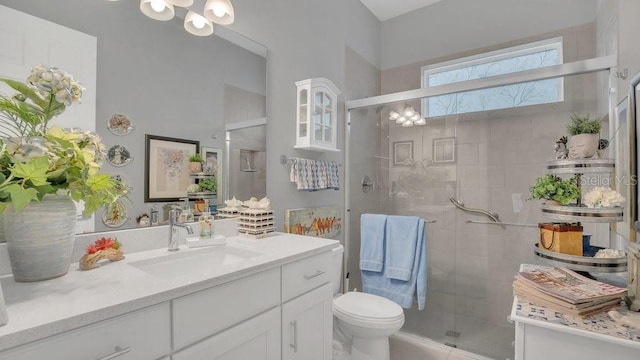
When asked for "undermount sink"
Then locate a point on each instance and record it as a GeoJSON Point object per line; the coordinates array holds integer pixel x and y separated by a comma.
{"type": "Point", "coordinates": [195, 262]}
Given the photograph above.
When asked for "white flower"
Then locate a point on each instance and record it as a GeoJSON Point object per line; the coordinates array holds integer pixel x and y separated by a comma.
{"type": "Point", "coordinates": [603, 197]}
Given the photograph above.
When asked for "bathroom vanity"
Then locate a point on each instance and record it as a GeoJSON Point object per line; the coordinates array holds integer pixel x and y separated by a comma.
{"type": "Point", "coordinates": [266, 299]}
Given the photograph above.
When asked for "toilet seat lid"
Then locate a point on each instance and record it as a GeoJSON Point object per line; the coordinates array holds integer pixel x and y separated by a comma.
{"type": "Point", "coordinates": [368, 306]}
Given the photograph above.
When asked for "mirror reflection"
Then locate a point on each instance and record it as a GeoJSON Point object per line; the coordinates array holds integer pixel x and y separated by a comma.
{"type": "Point", "coordinates": [163, 81]}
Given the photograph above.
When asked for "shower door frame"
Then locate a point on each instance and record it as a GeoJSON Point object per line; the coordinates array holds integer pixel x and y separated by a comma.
{"type": "Point", "coordinates": [604, 63]}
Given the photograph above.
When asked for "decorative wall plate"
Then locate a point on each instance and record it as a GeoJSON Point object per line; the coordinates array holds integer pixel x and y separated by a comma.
{"type": "Point", "coordinates": [119, 124]}
{"type": "Point", "coordinates": [118, 155]}
{"type": "Point", "coordinates": [115, 215]}
{"type": "Point", "coordinates": [124, 183]}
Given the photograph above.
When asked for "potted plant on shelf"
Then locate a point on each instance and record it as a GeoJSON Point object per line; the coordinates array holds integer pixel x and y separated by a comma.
{"type": "Point", "coordinates": [43, 170]}
{"type": "Point", "coordinates": [585, 136]}
{"type": "Point", "coordinates": [555, 190]}
{"type": "Point", "coordinates": [195, 163]}
{"type": "Point", "coordinates": [208, 185]}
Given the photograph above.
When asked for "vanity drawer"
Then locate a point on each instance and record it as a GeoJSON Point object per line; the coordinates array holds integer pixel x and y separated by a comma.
{"type": "Point", "coordinates": [143, 334]}
{"type": "Point", "coordinates": [199, 315]}
{"type": "Point", "coordinates": [305, 275]}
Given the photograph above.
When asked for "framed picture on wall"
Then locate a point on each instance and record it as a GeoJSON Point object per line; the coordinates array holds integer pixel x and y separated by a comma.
{"type": "Point", "coordinates": [166, 171]}
{"type": "Point", "coordinates": [402, 153]}
{"type": "Point", "coordinates": [444, 150]}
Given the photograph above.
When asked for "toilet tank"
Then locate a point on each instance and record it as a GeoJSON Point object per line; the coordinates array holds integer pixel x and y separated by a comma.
{"type": "Point", "coordinates": [336, 268]}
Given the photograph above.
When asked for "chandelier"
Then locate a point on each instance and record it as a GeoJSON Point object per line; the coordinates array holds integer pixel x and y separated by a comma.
{"type": "Point", "coordinates": [200, 24]}
{"type": "Point", "coordinates": [408, 117]}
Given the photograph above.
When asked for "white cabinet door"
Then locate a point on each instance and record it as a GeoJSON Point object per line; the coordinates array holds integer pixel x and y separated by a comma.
{"type": "Point", "coordinates": [307, 323]}
{"type": "Point", "coordinates": [254, 339]}
{"type": "Point", "coordinates": [142, 334]}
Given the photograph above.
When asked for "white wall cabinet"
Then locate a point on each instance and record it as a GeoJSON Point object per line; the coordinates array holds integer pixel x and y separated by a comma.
{"type": "Point", "coordinates": [317, 115]}
{"type": "Point", "coordinates": [307, 325]}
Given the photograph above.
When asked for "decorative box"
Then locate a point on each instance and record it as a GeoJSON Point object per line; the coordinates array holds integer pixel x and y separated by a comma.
{"type": "Point", "coordinates": [562, 238]}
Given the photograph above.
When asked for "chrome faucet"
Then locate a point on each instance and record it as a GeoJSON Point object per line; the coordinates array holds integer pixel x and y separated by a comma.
{"type": "Point", "coordinates": [173, 230]}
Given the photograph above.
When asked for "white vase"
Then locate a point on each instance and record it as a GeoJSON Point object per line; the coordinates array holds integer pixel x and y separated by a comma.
{"type": "Point", "coordinates": [583, 146]}
{"type": "Point", "coordinates": [40, 238]}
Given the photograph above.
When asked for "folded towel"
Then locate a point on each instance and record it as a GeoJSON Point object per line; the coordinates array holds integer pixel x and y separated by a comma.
{"type": "Point", "coordinates": [372, 233]}
{"type": "Point", "coordinates": [402, 292]}
{"type": "Point", "coordinates": [313, 175]}
{"type": "Point", "coordinates": [401, 237]}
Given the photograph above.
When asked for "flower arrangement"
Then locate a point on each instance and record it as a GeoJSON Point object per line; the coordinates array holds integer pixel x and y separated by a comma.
{"type": "Point", "coordinates": [600, 197]}
{"type": "Point", "coordinates": [552, 187]}
{"type": "Point", "coordinates": [36, 159]}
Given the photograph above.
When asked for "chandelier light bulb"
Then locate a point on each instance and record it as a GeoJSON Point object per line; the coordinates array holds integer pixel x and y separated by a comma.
{"type": "Point", "coordinates": [157, 9]}
{"type": "Point", "coordinates": [393, 115]}
{"type": "Point", "coordinates": [219, 9]}
{"type": "Point", "coordinates": [198, 22]}
{"type": "Point", "coordinates": [409, 112]}
{"type": "Point", "coordinates": [158, 5]}
{"type": "Point", "coordinates": [197, 25]}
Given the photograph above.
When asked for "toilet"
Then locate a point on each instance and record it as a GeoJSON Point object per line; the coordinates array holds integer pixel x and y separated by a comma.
{"type": "Point", "coordinates": [366, 319]}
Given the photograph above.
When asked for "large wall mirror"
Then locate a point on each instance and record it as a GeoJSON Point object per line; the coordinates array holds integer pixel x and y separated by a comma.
{"type": "Point", "coordinates": [155, 78]}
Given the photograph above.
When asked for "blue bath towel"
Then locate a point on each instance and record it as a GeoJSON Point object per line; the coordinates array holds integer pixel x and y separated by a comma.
{"type": "Point", "coordinates": [372, 244]}
{"type": "Point", "coordinates": [402, 292]}
{"type": "Point", "coordinates": [401, 237]}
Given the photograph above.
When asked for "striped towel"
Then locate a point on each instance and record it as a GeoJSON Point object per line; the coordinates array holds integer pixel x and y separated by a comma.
{"type": "Point", "coordinates": [313, 175]}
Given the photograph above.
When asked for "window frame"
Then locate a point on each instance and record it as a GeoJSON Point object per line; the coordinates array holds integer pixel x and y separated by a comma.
{"type": "Point", "coordinates": [555, 43]}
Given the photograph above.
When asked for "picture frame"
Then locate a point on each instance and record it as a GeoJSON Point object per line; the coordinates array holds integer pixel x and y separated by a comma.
{"type": "Point", "coordinates": [402, 152]}
{"type": "Point", "coordinates": [444, 150]}
{"type": "Point", "coordinates": [213, 159]}
{"type": "Point", "coordinates": [624, 142]}
{"type": "Point", "coordinates": [166, 171]}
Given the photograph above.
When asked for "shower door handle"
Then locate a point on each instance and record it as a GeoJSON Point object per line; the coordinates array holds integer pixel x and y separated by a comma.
{"type": "Point", "coordinates": [294, 342]}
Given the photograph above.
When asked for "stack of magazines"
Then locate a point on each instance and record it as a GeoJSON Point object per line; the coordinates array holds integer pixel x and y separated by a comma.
{"type": "Point", "coordinates": [565, 291]}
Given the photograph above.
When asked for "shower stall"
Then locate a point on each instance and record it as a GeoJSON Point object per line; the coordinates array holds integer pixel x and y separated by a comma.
{"type": "Point", "coordinates": [483, 159]}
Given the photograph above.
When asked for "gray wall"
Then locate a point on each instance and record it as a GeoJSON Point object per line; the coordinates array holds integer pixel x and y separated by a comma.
{"type": "Point", "coordinates": [305, 38]}
{"type": "Point", "coordinates": [455, 26]}
{"type": "Point", "coordinates": [168, 81]}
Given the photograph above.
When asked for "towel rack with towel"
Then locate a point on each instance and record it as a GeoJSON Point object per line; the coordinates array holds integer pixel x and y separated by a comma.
{"type": "Point", "coordinates": [284, 159]}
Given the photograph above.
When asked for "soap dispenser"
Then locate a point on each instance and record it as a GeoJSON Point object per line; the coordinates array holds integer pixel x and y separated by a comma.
{"type": "Point", "coordinates": [206, 222]}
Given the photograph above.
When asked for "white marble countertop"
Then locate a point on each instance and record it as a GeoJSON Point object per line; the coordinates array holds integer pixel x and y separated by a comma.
{"type": "Point", "coordinates": [41, 309]}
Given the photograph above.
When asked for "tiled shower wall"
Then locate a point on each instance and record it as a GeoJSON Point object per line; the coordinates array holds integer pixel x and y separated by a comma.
{"type": "Point", "coordinates": [498, 154]}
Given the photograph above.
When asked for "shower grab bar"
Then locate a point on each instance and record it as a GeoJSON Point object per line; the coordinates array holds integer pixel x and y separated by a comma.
{"type": "Point", "coordinates": [502, 223]}
{"type": "Point", "coordinates": [490, 214]}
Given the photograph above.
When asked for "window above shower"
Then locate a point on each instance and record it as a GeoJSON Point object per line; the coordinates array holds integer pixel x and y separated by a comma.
{"type": "Point", "coordinates": [511, 60]}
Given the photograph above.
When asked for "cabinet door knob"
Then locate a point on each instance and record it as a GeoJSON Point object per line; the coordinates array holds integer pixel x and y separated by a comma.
{"type": "Point", "coordinates": [118, 351]}
{"type": "Point", "coordinates": [294, 343]}
{"type": "Point", "coordinates": [318, 273]}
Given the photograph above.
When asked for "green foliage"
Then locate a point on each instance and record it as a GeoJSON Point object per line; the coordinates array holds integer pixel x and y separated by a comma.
{"type": "Point", "coordinates": [208, 184]}
{"type": "Point", "coordinates": [36, 159]}
{"type": "Point", "coordinates": [552, 187]}
{"type": "Point", "coordinates": [195, 158]}
{"type": "Point", "coordinates": [583, 124]}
